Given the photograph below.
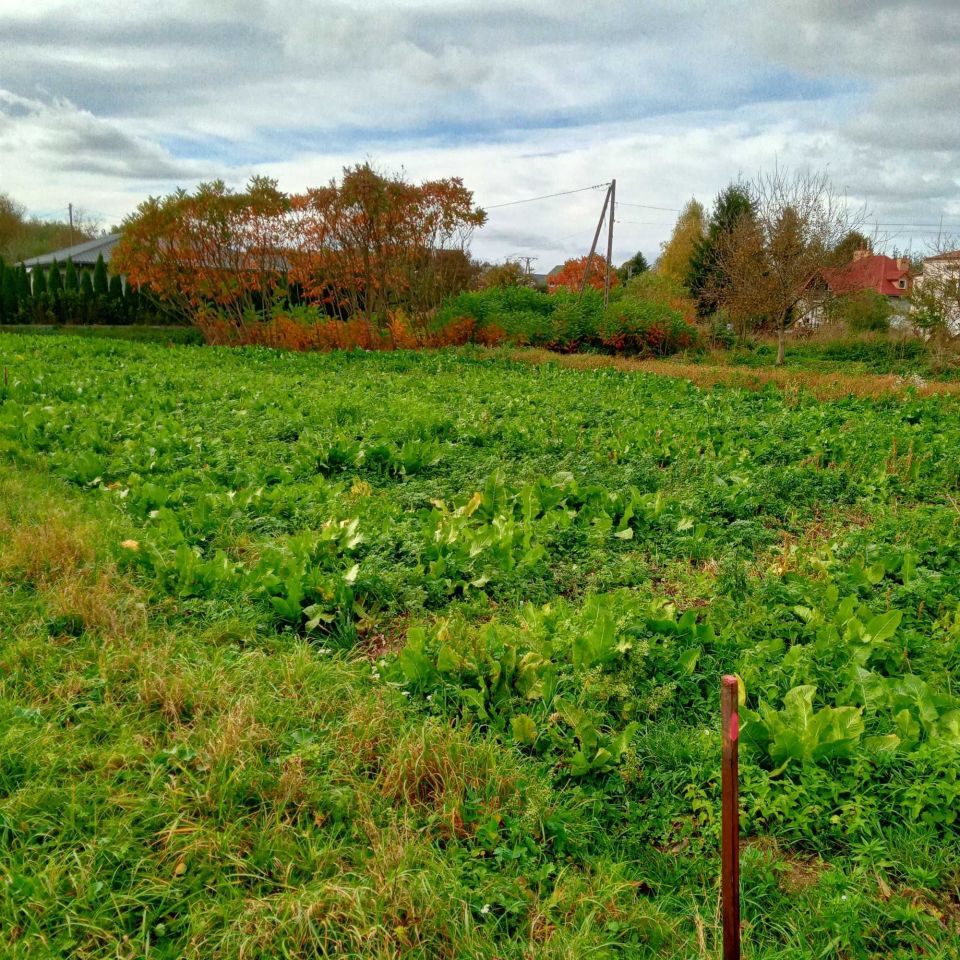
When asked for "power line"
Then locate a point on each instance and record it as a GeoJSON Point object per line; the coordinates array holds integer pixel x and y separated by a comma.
{"type": "Point", "coordinates": [647, 206]}
{"type": "Point", "coordinates": [546, 196]}
{"type": "Point", "coordinates": [892, 223]}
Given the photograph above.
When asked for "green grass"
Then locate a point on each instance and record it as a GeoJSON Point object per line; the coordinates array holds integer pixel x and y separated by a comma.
{"type": "Point", "coordinates": [851, 353]}
{"type": "Point", "coordinates": [418, 656]}
{"type": "Point", "coordinates": [143, 334]}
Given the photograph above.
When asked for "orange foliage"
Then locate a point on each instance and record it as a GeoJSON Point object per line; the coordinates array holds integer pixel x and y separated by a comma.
{"type": "Point", "coordinates": [357, 333]}
{"type": "Point", "coordinates": [367, 245]}
{"type": "Point", "coordinates": [570, 276]}
{"type": "Point", "coordinates": [213, 247]}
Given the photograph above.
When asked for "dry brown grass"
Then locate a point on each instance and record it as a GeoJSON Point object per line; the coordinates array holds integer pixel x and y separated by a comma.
{"type": "Point", "coordinates": [823, 386]}
{"type": "Point", "coordinates": [53, 549]}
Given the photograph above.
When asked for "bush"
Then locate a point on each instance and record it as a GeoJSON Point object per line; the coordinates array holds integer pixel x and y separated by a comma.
{"type": "Point", "coordinates": [648, 328]}
{"type": "Point", "coordinates": [662, 290]}
{"type": "Point", "coordinates": [864, 311]}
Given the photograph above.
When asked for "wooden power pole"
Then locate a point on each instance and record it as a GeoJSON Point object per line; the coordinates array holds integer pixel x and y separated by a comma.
{"type": "Point", "coordinates": [612, 217]}
{"type": "Point", "coordinates": [596, 237]}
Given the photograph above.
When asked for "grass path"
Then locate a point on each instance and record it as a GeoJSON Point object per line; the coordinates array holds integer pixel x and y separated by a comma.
{"type": "Point", "coordinates": [823, 386]}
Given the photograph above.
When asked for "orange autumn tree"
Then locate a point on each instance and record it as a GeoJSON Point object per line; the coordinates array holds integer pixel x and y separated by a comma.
{"type": "Point", "coordinates": [373, 243]}
{"type": "Point", "coordinates": [570, 275]}
{"type": "Point", "coordinates": [369, 246]}
{"type": "Point", "coordinates": [214, 248]}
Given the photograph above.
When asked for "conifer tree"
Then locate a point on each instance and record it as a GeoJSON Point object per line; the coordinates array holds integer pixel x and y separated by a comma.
{"type": "Point", "coordinates": [24, 293]}
{"type": "Point", "coordinates": [100, 284]}
{"type": "Point", "coordinates": [39, 283]}
{"type": "Point", "coordinates": [705, 277]}
{"type": "Point", "coordinates": [86, 286]}
{"type": "Point", "coordinates": [116, 287]}
{"type": "Point", "coordinates": [54, 279]}
{"type": "Point", "coordinates": [8, 294]}
{"type": "Point", "coordinates": [70, 279]}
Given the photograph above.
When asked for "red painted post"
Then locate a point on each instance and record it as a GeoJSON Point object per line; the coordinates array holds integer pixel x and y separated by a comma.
{"type": "Point", "coordinates": [730, 827]}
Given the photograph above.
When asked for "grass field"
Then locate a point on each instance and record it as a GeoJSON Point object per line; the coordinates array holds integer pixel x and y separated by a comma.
{"type": "Point", "coordinates": [405, 655]}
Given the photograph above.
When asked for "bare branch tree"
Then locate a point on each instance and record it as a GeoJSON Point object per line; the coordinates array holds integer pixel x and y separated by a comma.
{"type": "Point", "coordinates": [935, 300]}
{"type": "Point", "coordinates": [770, 260]}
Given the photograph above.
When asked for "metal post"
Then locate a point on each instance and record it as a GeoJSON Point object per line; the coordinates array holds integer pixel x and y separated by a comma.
{"type": "Point", "coordinates": [730, 826]}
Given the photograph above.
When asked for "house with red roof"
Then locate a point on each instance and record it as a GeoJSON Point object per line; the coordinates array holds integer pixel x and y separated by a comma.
{"type": "Point", "coordinates": [889, 276]}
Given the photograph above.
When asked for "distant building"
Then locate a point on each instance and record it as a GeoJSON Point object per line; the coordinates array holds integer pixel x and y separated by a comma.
{"type": "Point", "coordinates": [889, 276]}
{"type": "Point", "coordinates": [84, 255]}
{"type": "Point", "coordinates": [943, 269]}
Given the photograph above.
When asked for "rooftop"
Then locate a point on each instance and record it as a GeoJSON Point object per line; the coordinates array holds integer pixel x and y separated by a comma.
{"type": "Point", "coordinates": [82, 254]}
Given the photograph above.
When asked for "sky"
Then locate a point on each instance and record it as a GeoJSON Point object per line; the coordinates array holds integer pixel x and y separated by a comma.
{"type": "Point", "coordinates": [103, 104]}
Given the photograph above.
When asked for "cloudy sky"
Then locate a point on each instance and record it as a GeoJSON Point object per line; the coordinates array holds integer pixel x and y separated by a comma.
{"type": "Point", "coordinates": [106, 102]}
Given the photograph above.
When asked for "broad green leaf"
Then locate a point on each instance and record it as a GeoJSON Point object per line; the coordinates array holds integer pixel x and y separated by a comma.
{"type": "Point", "coordinates": [524, 729]}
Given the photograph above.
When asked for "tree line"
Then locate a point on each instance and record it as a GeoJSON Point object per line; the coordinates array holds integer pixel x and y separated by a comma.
{"type": "Point", "coordinates": [62, 294]}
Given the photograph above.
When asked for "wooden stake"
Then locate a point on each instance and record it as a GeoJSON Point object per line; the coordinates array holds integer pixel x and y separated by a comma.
{"type": "Point", "coordinates": [730, 828]}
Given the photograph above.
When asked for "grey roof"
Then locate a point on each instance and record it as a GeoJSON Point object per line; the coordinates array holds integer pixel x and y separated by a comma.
{"type": "Point", "coordinates": [82, 254]}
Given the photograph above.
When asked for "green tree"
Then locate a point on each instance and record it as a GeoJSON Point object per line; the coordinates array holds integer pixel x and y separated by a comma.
{"type": "Point", "coordinates": [8, 294]}
{"type": "Point", "coordinates": [770, 260]}
{"type": "Point", "coordinates": [54, 279]}
{"type": "Point", "coordinates": [705, 278]}
{"type": "Point", "coordinates": [637, 264]}
{"type": "Point", "coordinates": [116, 287]}
{"type": "Point", "coordinates": [24, 293]}
{"type": "Point", "coordinates": [70, 279]}
{"type": "Point", "coordinates": [675, 254]}
{"type": "Point", "coordinates": [86, 286]}
{"type": "Point", "coordinates": [39, 283]}
{"type": "Point", "coordinates": [100, 283]}
{"type": "Point", "coordinates": [849, 245]}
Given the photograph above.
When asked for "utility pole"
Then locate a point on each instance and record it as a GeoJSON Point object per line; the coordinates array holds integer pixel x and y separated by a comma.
{"type": "Point", "coordinates": [528, 261]}
{"type": "Point", "coordinates": [613, 212]}
{"type": "Point", "coordinates": [596, 237]}
{"type": "Point", "coordinates": [70, 210]}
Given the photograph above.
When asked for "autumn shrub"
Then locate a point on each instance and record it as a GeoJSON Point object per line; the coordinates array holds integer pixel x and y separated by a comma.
{"type": "Point", "coordinates": [647, 327]}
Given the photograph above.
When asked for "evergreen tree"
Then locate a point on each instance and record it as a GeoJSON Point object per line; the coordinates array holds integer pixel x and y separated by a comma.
{"type": "Point", "coordinates": [54, 279]}
{"type": "Point", "coordinates": [116, 287]}
{"type": "Point", "coordinates": [70, 279]}
{"type": "Point", "coordinates": [635, 265]}
{"type": "Point", "coordinates": [675, 254]}
{"type": "Point", "coordinates": [100, 285]}
{"type": "Point", "coordinates": [24, 293]}
{"type": "Point", "coordinates": [39, 283]}
{"type": "Point", "coordinates": [705, 277]}
{"type": "Point", "coordinates": [8, 294]}
{"type": "Point", "coordinates": [849, 245]}
{"type": "Point", "coordinates": [86, 286]}
{"type": "Point", "coordinates": [3, 310]}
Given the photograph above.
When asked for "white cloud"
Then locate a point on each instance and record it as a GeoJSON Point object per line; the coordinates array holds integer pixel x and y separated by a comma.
{"type": "Point", "coordinates": [104, 103]}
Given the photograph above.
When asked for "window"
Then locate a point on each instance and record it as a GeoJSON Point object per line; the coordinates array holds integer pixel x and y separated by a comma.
{"type": "Point", "coordinates": [902, 284]}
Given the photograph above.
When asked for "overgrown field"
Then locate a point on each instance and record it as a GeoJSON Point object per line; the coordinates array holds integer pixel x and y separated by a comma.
{"type": "Point", "coordinates": [418, 655]}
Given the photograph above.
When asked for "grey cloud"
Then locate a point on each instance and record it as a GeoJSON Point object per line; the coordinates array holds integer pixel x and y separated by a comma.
{"type": "Point", "coordinates": [68, 140]}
